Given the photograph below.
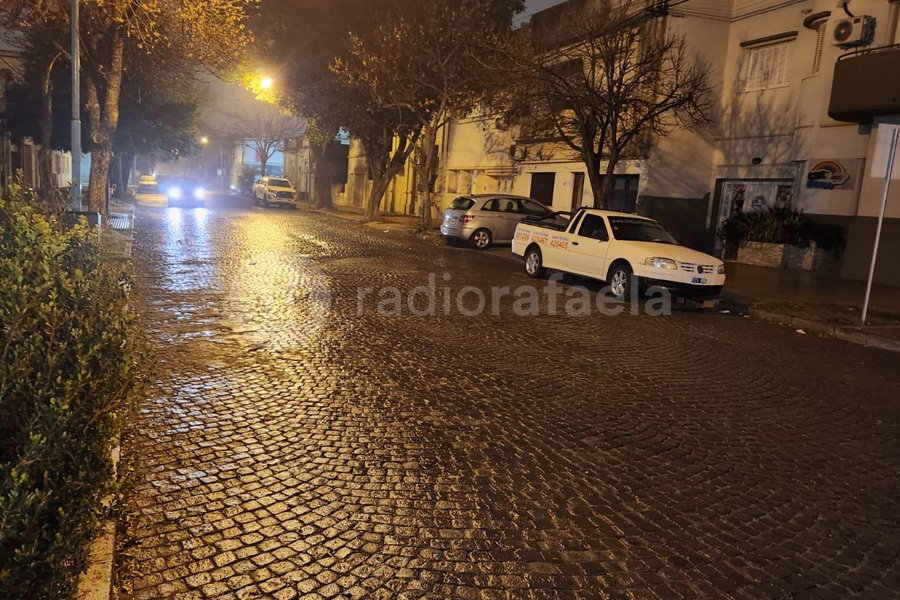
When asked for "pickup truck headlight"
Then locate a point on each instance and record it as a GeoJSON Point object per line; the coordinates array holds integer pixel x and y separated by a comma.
{"type": "Point", "coordinates": [661, 263]}
{"type": "Point", "coordinates": [721, 269]}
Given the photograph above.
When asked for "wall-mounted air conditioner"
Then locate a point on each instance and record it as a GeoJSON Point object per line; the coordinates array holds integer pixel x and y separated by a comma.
{"type": "Point", "coordinates": [852, 32]}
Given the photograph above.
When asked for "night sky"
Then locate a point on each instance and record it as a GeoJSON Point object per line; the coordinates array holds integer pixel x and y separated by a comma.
{"type": "Point", "coordinates": [533, 6]}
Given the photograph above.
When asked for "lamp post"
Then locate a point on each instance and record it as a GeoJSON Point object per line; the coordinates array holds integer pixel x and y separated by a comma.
{"type": "Point", "coordinates": [76, 109]}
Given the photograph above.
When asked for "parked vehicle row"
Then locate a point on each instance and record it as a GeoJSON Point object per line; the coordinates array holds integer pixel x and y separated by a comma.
{"type": "Point", "coordinates": [628, 252]}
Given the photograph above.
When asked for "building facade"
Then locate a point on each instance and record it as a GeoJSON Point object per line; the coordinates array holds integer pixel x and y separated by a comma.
{"type": "Point", "coordinates": [777, 67]}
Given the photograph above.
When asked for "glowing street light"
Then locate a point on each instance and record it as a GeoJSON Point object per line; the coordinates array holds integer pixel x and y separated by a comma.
{"type": "Point", "coordinates": [204, 140]}
{"type": "Point", "coordinates": [266, 83]}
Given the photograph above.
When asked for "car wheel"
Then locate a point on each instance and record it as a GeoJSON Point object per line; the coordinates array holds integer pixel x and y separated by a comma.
{"type": "Point", "coordinates": [620, 280]}
{"type": "Point", "coordinates": [481, 239]}
{"type": "Point", "coordinates": [534, 262]}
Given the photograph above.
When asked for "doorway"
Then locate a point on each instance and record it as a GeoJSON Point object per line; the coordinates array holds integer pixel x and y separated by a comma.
{"type": "Point", "coordinates": [577, 191]}
{"type": "Point", "coordinates": [542, 185]}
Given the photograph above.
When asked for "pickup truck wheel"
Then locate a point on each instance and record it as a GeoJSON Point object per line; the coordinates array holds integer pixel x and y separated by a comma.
{"type": "Point", "coordinates": [534, 263]}
{"type": "Point", "coordinates": [620, 280]}
{"type": "Point", "coordinates": [481, 239]}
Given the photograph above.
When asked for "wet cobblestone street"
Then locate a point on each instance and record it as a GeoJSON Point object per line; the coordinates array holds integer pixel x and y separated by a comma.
{"type": "Point", "coordinates": [295, 446]}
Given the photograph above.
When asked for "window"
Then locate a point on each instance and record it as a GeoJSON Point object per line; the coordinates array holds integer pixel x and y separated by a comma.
{"type": "Point", "coordinates": [452, 182]}
{"type": "Point", "coordinates": [509, 206]}
{"type": "Point", "coordinates": [491, 205]}
{"type": "Point", "coordinates": [769, 66]}
{"type": "Point", "coordinates": [462, 204]}
{"type": "Point", "coordinates": [529, 207]}
{"type": "Point", "coordinates": [592, 226]}
{"type": "Point", "coordinates": [464, 184]}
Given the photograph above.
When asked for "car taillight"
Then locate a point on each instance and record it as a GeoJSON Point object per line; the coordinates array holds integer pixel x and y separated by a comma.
{"type": "Point", "coordinates": [466, 218]}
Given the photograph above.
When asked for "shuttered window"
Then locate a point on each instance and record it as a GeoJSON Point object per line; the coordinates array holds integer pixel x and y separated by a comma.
{"type": "Point", "coordinates": [769, 66]}
{"type": "Point", "coordinates": [820, 47]}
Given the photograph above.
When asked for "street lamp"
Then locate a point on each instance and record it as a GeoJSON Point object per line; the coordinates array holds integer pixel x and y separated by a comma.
{"type": "Point", "coordinates": [204, 140]}
{"type": "Point", "coordinates": [76, 110]}
{"type": "Point", "coordinates": [266, 83]}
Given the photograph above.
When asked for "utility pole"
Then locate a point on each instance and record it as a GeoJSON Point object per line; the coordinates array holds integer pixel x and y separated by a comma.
{"type": "Point", "coordinates": [76, 109]}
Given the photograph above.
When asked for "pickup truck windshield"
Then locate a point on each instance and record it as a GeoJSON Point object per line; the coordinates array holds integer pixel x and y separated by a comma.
{"type": "Point", "coordinates": [279, 183]}
{"type": "Point", "coordinates": [640, 230]}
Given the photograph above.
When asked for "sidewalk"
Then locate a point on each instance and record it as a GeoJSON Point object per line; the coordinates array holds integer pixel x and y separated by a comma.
{"type": "Point", "coordinates": [402, 223]}
{"type": "Point", "coordinates": [825, 306]}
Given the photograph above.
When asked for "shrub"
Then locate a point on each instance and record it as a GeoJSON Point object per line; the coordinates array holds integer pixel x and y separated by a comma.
{"type": "Point", "coordinates": [68, 381]}
{"type": "Point", "coordinates": [781, 226]}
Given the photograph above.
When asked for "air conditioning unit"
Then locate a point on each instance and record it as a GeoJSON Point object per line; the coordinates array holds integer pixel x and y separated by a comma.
{"type": "Point", "coordinates": [857, 31]}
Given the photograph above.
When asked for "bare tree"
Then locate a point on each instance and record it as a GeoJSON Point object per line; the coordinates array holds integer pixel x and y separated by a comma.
{"type": "Point", "coordinates": [609, 82]}
{"type": "Point", "coordinates": [265, 128]}
{"type": "Point", "coordinates": [428, 65]}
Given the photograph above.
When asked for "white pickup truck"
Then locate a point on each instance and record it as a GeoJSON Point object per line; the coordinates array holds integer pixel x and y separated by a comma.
{"type": "Point", "coordinates": [621, 249]}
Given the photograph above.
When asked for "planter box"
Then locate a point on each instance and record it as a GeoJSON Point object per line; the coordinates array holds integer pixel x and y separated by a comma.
{"type": "Point", "coordinates": [784, 256]}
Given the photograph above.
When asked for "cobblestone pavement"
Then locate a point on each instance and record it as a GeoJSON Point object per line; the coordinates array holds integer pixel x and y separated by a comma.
{"type": "Point", "coordinates": [288, 452]}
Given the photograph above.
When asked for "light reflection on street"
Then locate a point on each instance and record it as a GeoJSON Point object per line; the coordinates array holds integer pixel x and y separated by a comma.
{"type": "Point", "coordinates": [256, 285]}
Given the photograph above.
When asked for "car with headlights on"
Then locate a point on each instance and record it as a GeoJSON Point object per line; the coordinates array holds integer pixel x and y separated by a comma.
{"type": "Point", "coordinates": [274, 190]}
{"type": "Point", "coordinates": [629, 252]}
{"type": "Point", "coordinates": [485, 219]}
{"type": "Point", "coordinates": [184, 191]}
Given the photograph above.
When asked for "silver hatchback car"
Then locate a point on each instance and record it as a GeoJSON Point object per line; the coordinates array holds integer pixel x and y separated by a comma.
{"type": "Point", "coordinates": [483, 219]}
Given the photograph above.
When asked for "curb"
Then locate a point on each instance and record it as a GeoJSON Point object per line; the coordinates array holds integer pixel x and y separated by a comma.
{"type": "Point", "coordinates": [96, 582]}
{"type": "Point", "coordinates": [854, 337]}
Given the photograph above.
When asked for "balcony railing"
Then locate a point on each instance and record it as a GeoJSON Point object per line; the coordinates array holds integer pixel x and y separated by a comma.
{"type": "Point", "coordinates": [866, 85]}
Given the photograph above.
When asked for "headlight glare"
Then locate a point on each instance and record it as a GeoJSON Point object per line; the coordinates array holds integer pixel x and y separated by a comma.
{"type": "Point", "coordinates": [199, 193]}
{"type": "Point", "coordinates": [175, 193]}
{"type": "Point", "coordinates": [658, 262]}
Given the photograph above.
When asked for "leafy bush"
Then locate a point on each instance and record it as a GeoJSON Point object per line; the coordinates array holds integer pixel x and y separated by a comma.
{"type": "Point", "coordinates": [781, 226]}
{"type": "Point", "coordinates": [69, 367]}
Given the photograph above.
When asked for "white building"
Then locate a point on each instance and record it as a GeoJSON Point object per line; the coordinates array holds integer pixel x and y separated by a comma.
{"type": "Point", "coordinates": [779, 67]}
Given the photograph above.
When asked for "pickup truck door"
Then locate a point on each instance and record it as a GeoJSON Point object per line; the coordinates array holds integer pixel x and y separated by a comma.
{"type": "Point", "coordinates": [588, 248]}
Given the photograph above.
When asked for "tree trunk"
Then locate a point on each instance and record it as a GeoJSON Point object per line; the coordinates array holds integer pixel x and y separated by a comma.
{"type": "Point", "coordinates": [263, 162]}
{"type": "Point", "coordinates": [99, 186]}
{"type": "Point", "coordinates": [119, 179]}
{"type": "Point", "coordinates": [126, 164]}
{"type": "Point", "coordinates": [380, 185]}
{"type": "Point", "coordinates": [45, 160]}
{"type": "Point", "coordinates": [592, 162]}
{"type": "Point", "coordinates": [385, 166]}
{"type": "Point", "coordinates": [321, 169]}
{"type": "Point", "coordinates": [426, 176]}
{"type": "Point", "coordinates": [104, 119]}
{"type": "Point", "coordinates": [607, 188]}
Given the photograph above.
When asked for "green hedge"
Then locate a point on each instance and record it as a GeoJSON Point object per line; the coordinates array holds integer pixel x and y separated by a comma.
{"type": "Point", "coordinates": [69, 374]}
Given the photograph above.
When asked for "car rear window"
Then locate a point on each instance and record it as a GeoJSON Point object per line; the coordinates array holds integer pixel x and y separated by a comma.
{"type": "Point", "coordinates": [462, 203]}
